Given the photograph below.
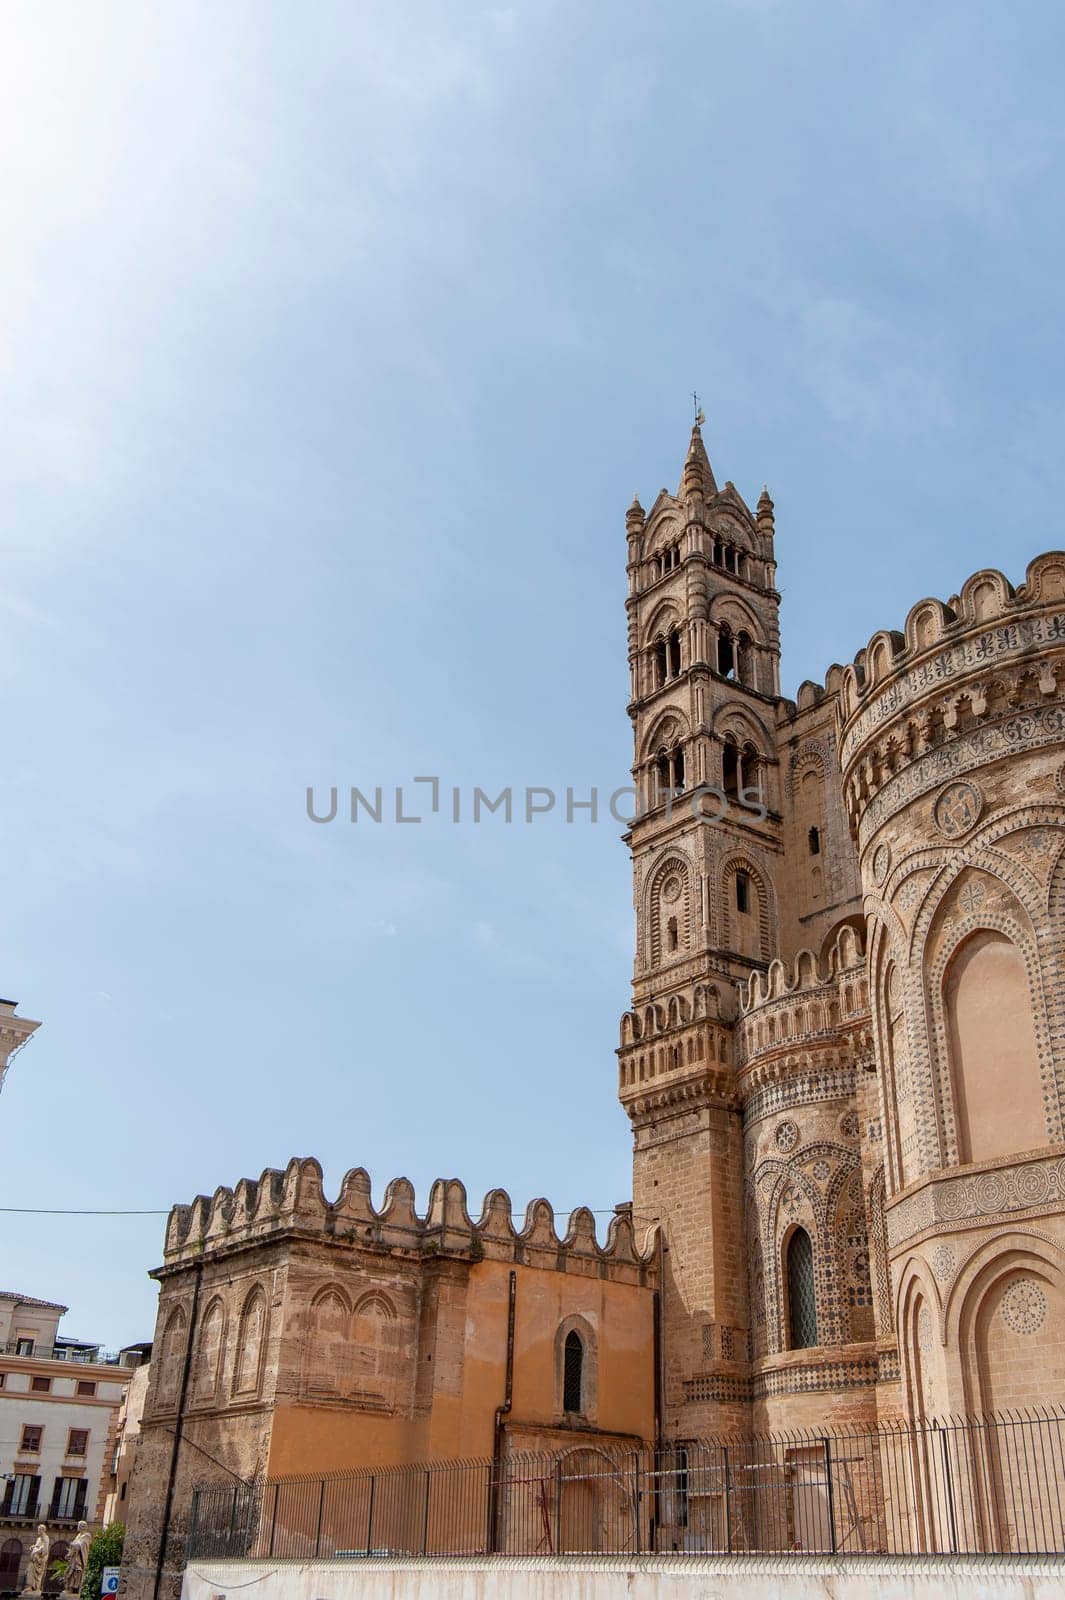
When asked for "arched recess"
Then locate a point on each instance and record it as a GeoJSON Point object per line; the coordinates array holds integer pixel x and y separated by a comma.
{"type": "Point", "coordinates": [986, 995]}
{"type": "Point", "coordinates": [375, 1352]}
{"type": "Point", "coordinates": [746, 919]}
{"type": "Point", "coordinates": [251, 1344]}
{"type": "Point", "coordinates": [806, 770]}
{"type": "Point", "coordinates": [880, 1271]}
{"type": "Point", "coordinates": [327, 1346]}
{"type": "Point", "coordinates": [787, 1197]}
{"type": "Point", "coordinates": [669, 909]}
{"type": "Point", "coordinates": [594, 1508]}
{"type": "Point", "coordinates": [210, 1349]}
{"type": "Point", "coordinates": [918, 1317]}
{"type": "Point", "coordinates": [1005, 1316]}
{"type": "Point", "coordinates": [580, 1328]}
{"type": "Point", "coordinates": [171, 1359]}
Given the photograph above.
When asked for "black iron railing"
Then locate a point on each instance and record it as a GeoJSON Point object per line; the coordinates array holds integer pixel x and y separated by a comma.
{"type": "Point", "coordinates": [991, 1484]}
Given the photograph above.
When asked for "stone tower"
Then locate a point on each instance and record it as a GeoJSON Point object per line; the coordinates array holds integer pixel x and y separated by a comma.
{"type": "Point", "coordinates": [952, 745]}
{"type": "Point", "coordinates": [703, 642]}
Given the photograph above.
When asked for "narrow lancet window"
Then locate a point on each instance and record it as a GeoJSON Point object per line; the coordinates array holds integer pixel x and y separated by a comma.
{"type": "Point", "coordinates": [572, 1373]}
{"type": "Point", "coordinates": [802, 1308]}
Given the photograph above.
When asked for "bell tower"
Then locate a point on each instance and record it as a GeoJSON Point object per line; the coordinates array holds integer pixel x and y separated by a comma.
{"type": "Point", "coordinates": [704, 652]}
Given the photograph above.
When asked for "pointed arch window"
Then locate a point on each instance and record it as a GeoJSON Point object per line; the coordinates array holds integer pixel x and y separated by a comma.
{"type": "Point", "coordinates": [669, 771]}
{"type": "Point", "coordinates": [661, 662]}
{"type": "Point", "coordinates": [802, 1304]}
{"type": "Point", "coordinates": [730, 770]}
{"type": "Point", "coordinates": [674, 652]}
{"type": "Point", "coordinates": [726, 651]}
{"type": "Point", "coordinates": [572, 1372]}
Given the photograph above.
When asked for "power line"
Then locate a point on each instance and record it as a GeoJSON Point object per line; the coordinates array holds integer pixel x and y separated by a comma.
{"type": "Point", "coordinates": [34, 1210]}
{"type": "Point", "coordinates": [40, 1211]}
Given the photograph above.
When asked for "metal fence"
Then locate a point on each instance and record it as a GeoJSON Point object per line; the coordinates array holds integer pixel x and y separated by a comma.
{"type": "Point", "coordinates": [991, 1484]}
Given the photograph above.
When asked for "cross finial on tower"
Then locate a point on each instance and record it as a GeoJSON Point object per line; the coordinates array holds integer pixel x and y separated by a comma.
{"type": "Point", "coordinates": [699, 416]}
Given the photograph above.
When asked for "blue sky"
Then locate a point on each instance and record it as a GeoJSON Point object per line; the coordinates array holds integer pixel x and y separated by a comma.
{"type": "Point", "coordinates": [336, 341]}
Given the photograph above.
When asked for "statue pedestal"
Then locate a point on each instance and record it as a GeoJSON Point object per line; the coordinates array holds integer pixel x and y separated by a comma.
{"type": "Point", "coordinates": [31, 1594]}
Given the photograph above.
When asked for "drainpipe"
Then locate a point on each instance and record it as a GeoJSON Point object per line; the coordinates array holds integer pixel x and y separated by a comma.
{"type": "Point", "coordinates": [501, 1412]}
{"type": "Point", "coordinates": [178, 1431]}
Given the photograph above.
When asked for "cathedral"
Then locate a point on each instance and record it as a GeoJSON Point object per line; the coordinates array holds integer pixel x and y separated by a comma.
{"type": "Point", "coordinates": [843, 1063]}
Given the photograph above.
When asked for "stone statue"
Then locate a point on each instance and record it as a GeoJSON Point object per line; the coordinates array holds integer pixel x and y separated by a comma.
{"type": "Point", "coordinates": [77, 1556]}
{"type": "Point", "coordinates": [37, 1570]}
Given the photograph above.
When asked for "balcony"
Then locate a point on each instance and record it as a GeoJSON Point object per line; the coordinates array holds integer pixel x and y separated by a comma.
{"type": "Point", "coordinates": [72, 1355]}
{"type": "Point", "coordinates": [32, 1510]}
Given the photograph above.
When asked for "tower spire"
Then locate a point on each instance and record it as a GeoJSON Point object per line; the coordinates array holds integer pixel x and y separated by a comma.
{"type": "Point", "coordinates": [698, 476]}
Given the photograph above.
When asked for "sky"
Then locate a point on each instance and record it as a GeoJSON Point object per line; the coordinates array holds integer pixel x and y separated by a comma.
{"type": "Point", "coordinates": [335, 342]}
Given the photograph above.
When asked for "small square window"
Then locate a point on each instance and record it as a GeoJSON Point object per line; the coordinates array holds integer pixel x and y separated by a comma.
{"type": "Point", "coordinates": [41, 1385]}
{"type": "Point", "coordinates": [78, 1442]}
{"type": "Point", "coordinates": [86, 1386]}
{"type": "Point", "coordinates": [31, 1438]}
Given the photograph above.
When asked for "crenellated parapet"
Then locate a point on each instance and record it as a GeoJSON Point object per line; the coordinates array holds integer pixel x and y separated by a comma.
{"type": "Point", "coordinates": [293, 1204]}
{"type": "Point", "coordinates": [967, 682]}
{"type": "Point", "coordinates": [812, 1009]}
{"type": "Point", "coordinates": [810, 695]}
{"type": "Point", "coordinates": [675, 1050]}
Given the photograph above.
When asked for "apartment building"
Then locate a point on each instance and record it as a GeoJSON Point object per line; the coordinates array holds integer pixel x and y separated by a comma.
{"type": "Point", "coordinates": [59, 1410]}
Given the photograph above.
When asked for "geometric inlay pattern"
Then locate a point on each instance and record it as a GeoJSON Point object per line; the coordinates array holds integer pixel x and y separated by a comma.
{"type": "Point", "coordinates": [1024, 1306]}
{"type": "Point", "coordinates": [958, 809]}
{"type": "Point", "coordinates": [943, 1261]}
{"type": "Point", "coordinates": [985, 1194]}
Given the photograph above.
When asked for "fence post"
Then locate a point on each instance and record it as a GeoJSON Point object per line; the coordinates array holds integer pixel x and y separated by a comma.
{"type": "Point", "coordinates": [273, 1518]}
{"type": "Point", "coordinates": [728, 1502]}
{"type": "Point", "coordinates": [558, 1508]}
{"type": "Point", "coordinates": [318, 1530]}
{"type": "Point", "coordinates": [369, 1515]}
{"type": "Point", "coordinates": [636, 1502]}
{"type": "Point", "coordinates": [948, 1484]}
{"type": "Point", "coordinates": [827, 1443]}
{"type": "Point", "coordinates": [425, 1523]}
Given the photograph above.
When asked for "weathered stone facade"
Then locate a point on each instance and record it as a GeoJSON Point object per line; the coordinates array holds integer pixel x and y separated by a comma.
{"type": "Point", "coordinates": [330, 1335]}
{"type": "Point", "coordinates": [877, 1135]}
{"type": "Point", "coordinates": [844, 1065]}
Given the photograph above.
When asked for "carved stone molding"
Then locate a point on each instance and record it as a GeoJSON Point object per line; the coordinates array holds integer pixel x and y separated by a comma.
{"type": "Point", "coordinates": [1022, 730]}
{"type": "Point", "coordinates": [978, 652]}
{"type": "Point", "coordinates": [978, 1195]}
